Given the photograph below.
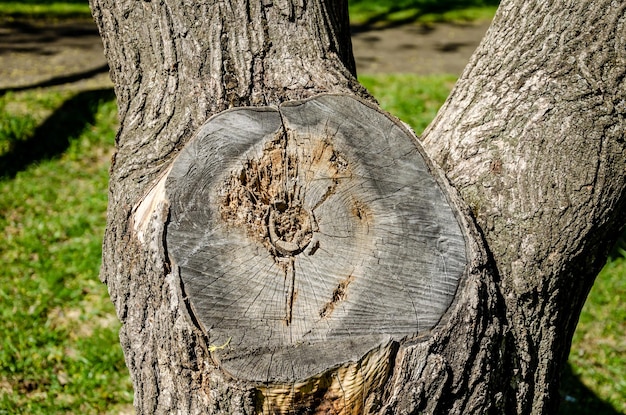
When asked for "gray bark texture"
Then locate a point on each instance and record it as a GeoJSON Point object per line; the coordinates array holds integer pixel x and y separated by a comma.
{"type": "Point", "coordinates": [531, 160]}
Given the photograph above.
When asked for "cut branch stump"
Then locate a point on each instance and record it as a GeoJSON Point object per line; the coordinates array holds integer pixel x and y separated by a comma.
{"type": "Point", "coordinates": [311, 240]}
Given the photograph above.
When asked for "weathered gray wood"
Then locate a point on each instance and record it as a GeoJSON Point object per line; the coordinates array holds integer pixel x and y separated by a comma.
{"type": "Point", "coordinates": [308, 235]}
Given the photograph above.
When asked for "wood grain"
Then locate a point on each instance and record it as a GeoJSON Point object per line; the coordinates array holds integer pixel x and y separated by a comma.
{"type": "Point", "coordinates": [308, 235]}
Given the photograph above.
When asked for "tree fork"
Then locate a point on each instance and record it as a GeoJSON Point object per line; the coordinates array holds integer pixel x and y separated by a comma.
{"type": "Point", "coordinates": [503, 337]}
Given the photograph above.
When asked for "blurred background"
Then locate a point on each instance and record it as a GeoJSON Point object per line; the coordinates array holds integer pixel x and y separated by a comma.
{"type": "Point", "coordinates": [59, 350]}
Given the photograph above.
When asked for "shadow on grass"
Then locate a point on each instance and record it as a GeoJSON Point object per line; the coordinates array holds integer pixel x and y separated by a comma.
{"type": "Point", "coordinates": [31, 39]}
{"type": "Point", "coordinates": [411, 11]}
{"type": "Point", "coordinates": [53, 136]}
{"type": "Point", "coordinates": [60, 80]}
{"type": "Point", "coordinates": [619, 249]}
{"type": "Point", "coordinates": [577, 399]}
{"type": "Point", "coordinates": [37, 35]}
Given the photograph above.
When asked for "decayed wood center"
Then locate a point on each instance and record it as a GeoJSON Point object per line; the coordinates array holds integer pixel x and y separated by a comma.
{"type": "Point", "coordinates": [309, 235]}
{"type": "Point", "coordinates": [269, 199]}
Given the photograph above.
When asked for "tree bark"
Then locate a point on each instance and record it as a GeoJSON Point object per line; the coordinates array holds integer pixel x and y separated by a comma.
{"type": "Point", "coordinates": [531, 141]}
{"type": "Point", "coordinates": [533, 138]}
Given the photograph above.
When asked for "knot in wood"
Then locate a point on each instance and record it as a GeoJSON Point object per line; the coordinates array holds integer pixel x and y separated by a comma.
{"type": "Point", "coordinates": [289, 229]}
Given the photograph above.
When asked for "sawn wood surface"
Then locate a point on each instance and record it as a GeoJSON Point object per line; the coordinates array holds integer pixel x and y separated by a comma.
{"type": "Point", "coordinates": [308, 235]}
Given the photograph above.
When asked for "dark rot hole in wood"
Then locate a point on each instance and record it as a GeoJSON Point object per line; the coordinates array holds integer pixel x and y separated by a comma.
{"type": "Point", "coordinates": [267, 197]}
{"type": "Point", "coordinates": [290, 231]}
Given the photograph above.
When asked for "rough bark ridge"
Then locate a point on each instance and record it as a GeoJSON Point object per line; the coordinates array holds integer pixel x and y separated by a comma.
{"type": "Point", "coordinates": [532, 137]}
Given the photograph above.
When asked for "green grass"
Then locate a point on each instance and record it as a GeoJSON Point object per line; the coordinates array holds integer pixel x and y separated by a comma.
{"type": "Point", "coordinates": [598, 354]}
{"type": "Point", "coordinates": [362, 12]}
{"type": "Point", "coordinates": [389, 12]}
{"type": "Point", "coordinates": [414, 99]}
{"type": "Point", "coordinates": [59, 350]}
{"type": "Point", "coordinates": [45, 9]}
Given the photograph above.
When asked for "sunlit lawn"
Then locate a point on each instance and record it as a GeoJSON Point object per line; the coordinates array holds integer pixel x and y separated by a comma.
{"type": "Point", "coordinates": [45, 8]}
{"type": "Point", "coordinates": [59, 350]}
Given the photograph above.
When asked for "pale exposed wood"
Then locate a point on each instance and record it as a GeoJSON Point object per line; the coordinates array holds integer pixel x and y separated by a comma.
{"type": "Point", "coordinates": [366, 249]}
{"type": "Point", "coordinates": [347, 389]}
{"type": "Point", "coordinates": [142, 213]}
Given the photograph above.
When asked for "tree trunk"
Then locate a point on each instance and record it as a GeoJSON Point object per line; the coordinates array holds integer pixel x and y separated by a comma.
{"type": "Point", "coordinates": [531, 141]}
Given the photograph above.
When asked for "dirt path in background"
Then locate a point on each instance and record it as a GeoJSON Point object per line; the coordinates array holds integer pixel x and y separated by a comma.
{"type": "Point", "coordinates": [415, 48]}
{"type": "Point", "coordinates": [70, 53]}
